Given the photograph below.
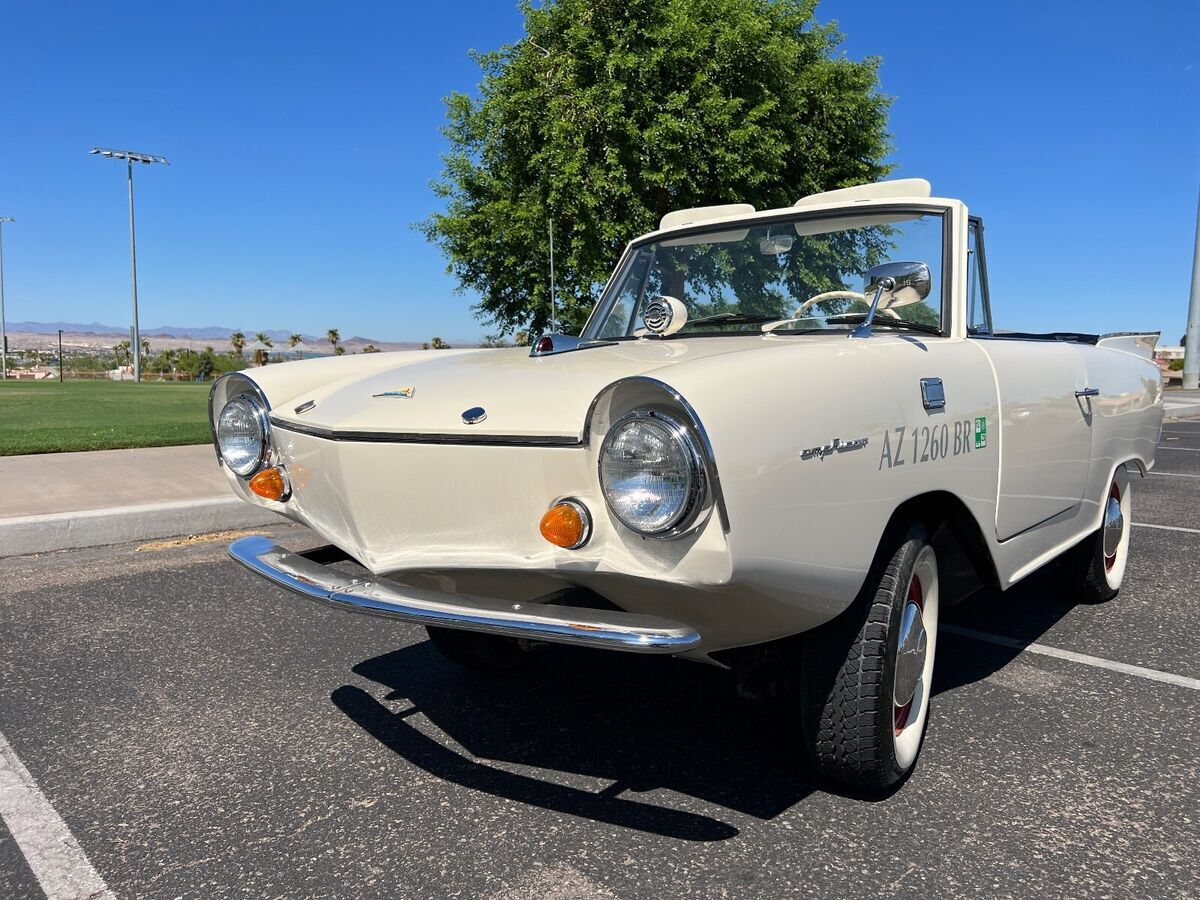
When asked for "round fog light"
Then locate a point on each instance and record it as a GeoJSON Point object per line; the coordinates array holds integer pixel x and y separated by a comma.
{"type": "Point", "coordinates": [567, 524]}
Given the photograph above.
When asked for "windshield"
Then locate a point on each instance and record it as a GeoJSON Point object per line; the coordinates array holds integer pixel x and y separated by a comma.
{"type": "Point", "coordinates": [802, 274]}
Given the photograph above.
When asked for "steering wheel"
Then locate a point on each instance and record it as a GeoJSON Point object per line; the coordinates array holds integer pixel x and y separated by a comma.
{"type": "Point", "coordinates": [839, 295]}
{"type": "Point", "coordinates": [828, 295]}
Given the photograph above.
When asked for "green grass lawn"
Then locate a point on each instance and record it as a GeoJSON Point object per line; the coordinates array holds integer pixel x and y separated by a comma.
{"type": "Point", "coordinates": [48, 417]}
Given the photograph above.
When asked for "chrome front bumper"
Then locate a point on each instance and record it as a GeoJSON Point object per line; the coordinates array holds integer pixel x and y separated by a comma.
{"type": "Point", "coordinates": [614, 630]}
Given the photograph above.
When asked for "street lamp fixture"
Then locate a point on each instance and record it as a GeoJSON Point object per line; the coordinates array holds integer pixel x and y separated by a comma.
{"type": "Point", "coordinates": [130, 157]}
{"type": "Point", "coordinates": [3, 332]}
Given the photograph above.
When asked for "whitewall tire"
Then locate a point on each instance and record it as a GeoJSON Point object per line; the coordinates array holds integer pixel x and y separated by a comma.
{"type": "Point", "coordinates": [867, 676]}
{"type": "Point", "coordinates": [1096, 567]}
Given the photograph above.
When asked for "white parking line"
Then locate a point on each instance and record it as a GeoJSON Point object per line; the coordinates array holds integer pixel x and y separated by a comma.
{"type": "Point", "coordinates": [1183, 449]}
{"type": "Point", "coordinates": [1072, 656]}
{"type": "Point", "coordinates": [53, 854]}
{"type": "Point", "coordinates": [1176, 474]}
{"type": "Point", "coordinates": [1167, 527]}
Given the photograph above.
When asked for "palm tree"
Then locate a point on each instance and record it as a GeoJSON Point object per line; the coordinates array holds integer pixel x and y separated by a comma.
{"type": "Point", "coordinates": [260, 356]}
{"type": "Point", "coordinates": [238, 340]}
{"type": "Point", "coordinates": [438, 344]}
{"type": "Point", "coordinates": [294, 340]}
{"type": "Point", "coordinates": [122, 352]}
{"type": "Point", "coordinates": [334, 338]}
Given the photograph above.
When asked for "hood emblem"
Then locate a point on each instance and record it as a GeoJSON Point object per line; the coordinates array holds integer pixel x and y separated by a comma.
{"type": "Point", "coordinates": [402, 393]}
{"type": "Point", "coordinates": [474, 415]}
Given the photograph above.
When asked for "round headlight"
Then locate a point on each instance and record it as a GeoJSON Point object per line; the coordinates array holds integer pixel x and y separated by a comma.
{"type": "Point", "coordinates": [650, 472]}
{"type": "Point", "coordinates": [242, 435]}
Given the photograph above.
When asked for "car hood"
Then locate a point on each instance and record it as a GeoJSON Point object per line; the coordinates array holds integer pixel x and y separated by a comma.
{"type": "Point", "coordinates": [427, 392]}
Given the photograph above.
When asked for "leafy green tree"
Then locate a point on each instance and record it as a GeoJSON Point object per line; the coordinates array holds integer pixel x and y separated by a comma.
{"type": "Point", "coordinates": [206, 364]}
{"type": "Point", "coordinates": [370, 348]}
{"type": "Point", "coordinates": [162, 362]}
{"type": "Point", "coordinates": [612, 113]}
{"type": "Point", "coordinates": [438, 344]}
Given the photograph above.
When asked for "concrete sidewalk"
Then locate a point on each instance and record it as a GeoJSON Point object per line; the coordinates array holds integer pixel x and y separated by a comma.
{"type": "Point", "coordinates": [1181, 404]}
{"type": "Point", "coordinates": [56, 501]}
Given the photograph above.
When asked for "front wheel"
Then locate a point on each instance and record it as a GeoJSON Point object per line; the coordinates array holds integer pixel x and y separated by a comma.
{"type": "Point", "coordinates": [867, 675]}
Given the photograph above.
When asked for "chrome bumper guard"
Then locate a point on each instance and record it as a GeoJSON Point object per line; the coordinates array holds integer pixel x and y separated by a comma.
{"type": "Point", "coordinates": [615, 630]}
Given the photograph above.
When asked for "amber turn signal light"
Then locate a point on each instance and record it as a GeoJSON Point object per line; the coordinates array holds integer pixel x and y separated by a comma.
{"type": "Point", "coordinates": [271, 484]}
{"type": "Point", "coordinates": [567, 524]}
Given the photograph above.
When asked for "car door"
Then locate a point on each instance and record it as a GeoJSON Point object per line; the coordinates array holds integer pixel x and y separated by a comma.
{"type": "Point", "coordinates": [1044, 433]}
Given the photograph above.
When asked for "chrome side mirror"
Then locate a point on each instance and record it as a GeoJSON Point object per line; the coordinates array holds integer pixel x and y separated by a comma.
{"type": "Point", "coordinates": [891, 285]}
{"type": "Point", "coordinates": [910, 283]}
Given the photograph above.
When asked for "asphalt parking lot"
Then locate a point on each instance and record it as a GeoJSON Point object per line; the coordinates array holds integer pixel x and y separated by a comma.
{"type": "Point", "coordinates": [201, 733]}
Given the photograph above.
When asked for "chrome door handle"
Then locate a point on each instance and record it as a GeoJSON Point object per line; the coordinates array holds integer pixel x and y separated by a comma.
{"type": "Point", "coordinates": [1088, 392]}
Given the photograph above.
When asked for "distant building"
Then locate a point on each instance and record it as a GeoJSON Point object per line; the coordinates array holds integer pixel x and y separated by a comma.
{"type": "Point", "coordinates": [35, 373]}
{"type": "Point", "coordinates": [1164, 357]}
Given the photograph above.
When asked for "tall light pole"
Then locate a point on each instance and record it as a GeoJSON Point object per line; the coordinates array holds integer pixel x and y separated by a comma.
{"type": "Point", "coordinates": [135, 335]}
{"type": "Point", "coordinates": [3, 330]}
{"type": "Point", "coordinates": [549, 212]}
{"type": "Point", "coordinates": [1191, 352]}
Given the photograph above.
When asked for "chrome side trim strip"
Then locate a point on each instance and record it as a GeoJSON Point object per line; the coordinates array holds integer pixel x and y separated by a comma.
{"type": "Point", "coordinates": [630, 632]}
{"type": "Point", "coordinates": [416, 437]}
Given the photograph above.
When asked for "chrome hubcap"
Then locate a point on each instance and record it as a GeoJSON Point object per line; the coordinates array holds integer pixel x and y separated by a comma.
{"type": "Point", "coordinates": [910, 655]}
{"type": "Point", "coordinates": [1114, 527]}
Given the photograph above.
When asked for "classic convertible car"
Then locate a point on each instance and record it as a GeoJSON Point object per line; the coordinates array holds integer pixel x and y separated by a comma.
{"type": "Point", "coordinates": [788, 436]}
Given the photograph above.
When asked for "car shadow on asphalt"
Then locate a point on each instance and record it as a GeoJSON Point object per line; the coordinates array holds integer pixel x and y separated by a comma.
{"type": "Point", "coordinates": [641, 723]}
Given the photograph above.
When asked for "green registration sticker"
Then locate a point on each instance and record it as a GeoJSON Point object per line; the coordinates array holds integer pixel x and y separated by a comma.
{"type": "Point", "coordinates": [980, 432]}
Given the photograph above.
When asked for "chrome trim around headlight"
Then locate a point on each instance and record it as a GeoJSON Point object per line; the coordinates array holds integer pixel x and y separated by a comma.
{"type": "Point", "coordinates": [232, 386]}
{"type": "Point", "coordinates": [712, 474]}
{"type": "Point", "coordinates": [695, 458]}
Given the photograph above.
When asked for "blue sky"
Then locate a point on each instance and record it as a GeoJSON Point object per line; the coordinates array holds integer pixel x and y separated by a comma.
{"type": "Point", "coordinates": [303, 136]}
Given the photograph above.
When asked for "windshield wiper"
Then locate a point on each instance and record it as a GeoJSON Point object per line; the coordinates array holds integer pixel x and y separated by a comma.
{"type": "Point", "coordinates": [731, 319]}
{"type": "Point", "coordinates": [880, 322]}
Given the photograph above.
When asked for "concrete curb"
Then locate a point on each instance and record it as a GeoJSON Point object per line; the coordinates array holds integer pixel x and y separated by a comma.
{"type": "Point", "coordinates": [23, 535]}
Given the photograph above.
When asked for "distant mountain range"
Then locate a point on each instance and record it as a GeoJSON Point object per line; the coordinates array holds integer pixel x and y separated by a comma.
{"type": "Point", "coordinates": [206, 333]}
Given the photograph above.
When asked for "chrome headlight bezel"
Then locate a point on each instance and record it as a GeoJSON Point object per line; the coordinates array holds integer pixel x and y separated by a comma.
{"type": "Point", "coordinates": [233, 386]}
{"type": "Point", "coordinates": [259, 411]}
{"type": "Point", "coordinates": [697, 493]}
